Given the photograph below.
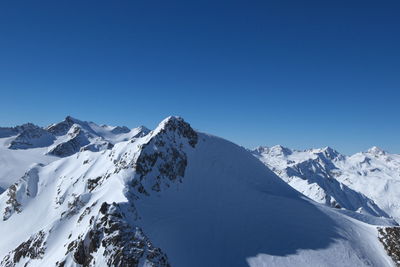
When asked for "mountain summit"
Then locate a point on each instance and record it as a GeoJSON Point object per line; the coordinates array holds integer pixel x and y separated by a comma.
{"type": "Point", "coordinates": [175, 197]}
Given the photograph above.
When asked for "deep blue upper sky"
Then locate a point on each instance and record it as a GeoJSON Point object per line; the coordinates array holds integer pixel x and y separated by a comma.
{"type": "Point", "coordinates": [297, 73]}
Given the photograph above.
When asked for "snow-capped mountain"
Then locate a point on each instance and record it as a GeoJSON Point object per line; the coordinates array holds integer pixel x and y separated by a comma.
{"type": "Point", "coordinates": [368, 182]}
{"type": "Point", "coordinates": [24, 145]}
{"type": "Point", "coordinates": [74, 135]}
{"type": "Point", "coordinates": [178, 197]}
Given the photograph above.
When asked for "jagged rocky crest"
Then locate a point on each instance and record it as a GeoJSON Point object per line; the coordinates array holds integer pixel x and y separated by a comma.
{"type": "Point", "coordinates": [163, 156]}
{"type": "Point", "coordinates": [149, 163]}
{"type": "Point", "coordinates": [89, 209]}
{"type": "Point", "coordinates": [32, 136]}
{"type": "Point", "coordinates": [120, 243]}
{"type": "Point", "coordinates": [75, 140]}
{"type": "Point", "coordinates": [69, 136]}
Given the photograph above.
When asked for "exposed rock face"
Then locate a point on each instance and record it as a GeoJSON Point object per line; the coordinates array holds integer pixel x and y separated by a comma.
{"type": "Point", "coordinates": [106, 235]}
{"type": "Point", "coordinates": [114, 208]}
{"type": "Point", "coordinates": [390, 238]}
{"type": "Point", "coordinates": [12, 131]}
{"type": "Point", "coordinates": [77, 139]}
{"type": "Point", "coordinates": [120, 130]}
{"type": "Point", "coordinates": [33, 248]}
{"type": "Point", "coordinates": [12, 203]}
{"type": "Point", "coordinates": [61, 128]}
{"type": "Point", "coordinates": [85, 136]}
{"type": "Point", "coordinates": [32, 136]}
{"type": "Point", "coordinates": [119, 243]}
{"type": "Point", "coordinates": [163, 159]}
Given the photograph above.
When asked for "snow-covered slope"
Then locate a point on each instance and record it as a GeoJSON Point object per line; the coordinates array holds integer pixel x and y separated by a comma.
{"type": "Point", "coordinates": [368, 182]}
{"type": "Point", "coordinates": [376, 174]}
{"type": "Point", "coordinates": [175, 197]}
{"type": "Point", "coordinates": [74, 135]}
{"type": "Point", "coordinates": [28, 144]}
{"type": "Point", "coordinates": [14, 163]}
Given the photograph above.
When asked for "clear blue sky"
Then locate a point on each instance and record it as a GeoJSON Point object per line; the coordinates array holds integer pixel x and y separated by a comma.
{"type": "Point", "coordinates": [297, 73]}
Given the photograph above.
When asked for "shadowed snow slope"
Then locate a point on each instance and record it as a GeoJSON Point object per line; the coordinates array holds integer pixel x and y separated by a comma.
{"type": "Point", "coordinates": [175, 197]}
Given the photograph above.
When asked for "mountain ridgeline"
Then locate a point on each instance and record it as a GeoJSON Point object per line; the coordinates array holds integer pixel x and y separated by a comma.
{"type": "Point", "coordinates": [80, 194]}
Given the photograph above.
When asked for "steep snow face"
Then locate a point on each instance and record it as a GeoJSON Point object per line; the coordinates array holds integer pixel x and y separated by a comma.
{"type": "Point", "coordinates": [366, 182]}
{"type": "Point", "coordinates": [174, 197]}
{"type": "Point", "coordinates": [24, 146]}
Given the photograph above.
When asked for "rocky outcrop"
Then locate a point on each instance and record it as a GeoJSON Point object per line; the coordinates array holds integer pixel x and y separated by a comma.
{"type": "Point", "coordinates": [61, 128]}
{"type": "Point", "coordinates": [76, 140]}
{"type": "Point", "coordinates": [32, 136]}
{"type": "Point", "coordinates": [120, 130]}
{"type": "Point", "coordinates": [33, 248]}
{"type": "Point", "coordinates": [119, 243]}
{"type": "Point", "coordinates": [390, 238]}
{"type": "Point", "coordinates": [12, 131]}
{"type": "Point", "coordinates": [163, 160]}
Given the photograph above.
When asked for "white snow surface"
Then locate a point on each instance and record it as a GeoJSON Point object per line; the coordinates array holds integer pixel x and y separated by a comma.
{"type": "Point", "coordinates": [367, 182]}
{"type": "Point", "coordinates": [202, 200]}
{"type": "Point", "coordinates": [15, 162]}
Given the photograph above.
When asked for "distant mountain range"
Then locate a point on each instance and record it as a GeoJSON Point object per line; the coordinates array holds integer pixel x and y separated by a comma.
{"type": "Point", "coordinates": [366, 182]}
{"type": "Point", "coordinates": [80, 194]}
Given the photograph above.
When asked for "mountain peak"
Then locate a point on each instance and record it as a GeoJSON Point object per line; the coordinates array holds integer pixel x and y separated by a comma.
{"type": "Point", "coordinates": [63, 127]}
{"type": "Point", "coordinates": [69, 118]}
{"type": "Point", "coordinates": [376, 151]}
{"type": "Point", "coordinates": [177, 125]}
{"type": "Point", "coordinates": [171, 120]}
{"type": "Point", "coordinates": [329, 152]}
{"type": "Point", "coordinates": [274, 150]}
{"type": "Point", "coordinates": [281, 149]}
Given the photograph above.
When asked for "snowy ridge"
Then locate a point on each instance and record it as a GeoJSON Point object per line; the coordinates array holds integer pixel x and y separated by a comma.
{"type": "Point", "coordinates": [365, 182]}
{"type": "Point", "coordinates": [141, 202]}
{"type": "Point", "coordinates": [28, 144]}
{"type": "Point", "coordinates": [113, 228]}
{"type": "Point", "coordinates": [31, 136]}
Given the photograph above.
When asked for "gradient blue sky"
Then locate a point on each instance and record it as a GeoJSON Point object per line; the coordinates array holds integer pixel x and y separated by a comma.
{"type": "Point", "coordinates": [297, 73]}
